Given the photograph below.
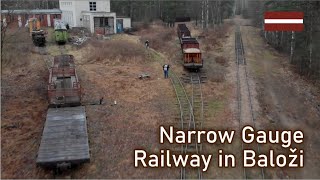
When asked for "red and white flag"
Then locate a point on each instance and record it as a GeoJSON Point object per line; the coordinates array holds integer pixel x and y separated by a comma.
{"type": "Point", "coordinates": [283, 21]}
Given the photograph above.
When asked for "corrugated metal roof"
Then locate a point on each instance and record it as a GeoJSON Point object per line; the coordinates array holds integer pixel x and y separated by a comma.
{"type": "Point", "coordinates": [34, 11]}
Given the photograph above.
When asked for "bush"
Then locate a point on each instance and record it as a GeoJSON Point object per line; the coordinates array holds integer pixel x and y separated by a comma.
{"type": "Point", "coordinates": [221, 60]}
{"type": "Point", "coordinates": [117, 52]}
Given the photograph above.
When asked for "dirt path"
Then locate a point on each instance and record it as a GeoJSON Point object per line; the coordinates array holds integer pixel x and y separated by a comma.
{"type": "Point", "coordinates": [283, 104]}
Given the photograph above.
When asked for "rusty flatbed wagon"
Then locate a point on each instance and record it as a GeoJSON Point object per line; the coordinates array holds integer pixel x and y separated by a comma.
{"type": "Point", "coordinates": [64, 139]}
{"type": "Point", "coordinates": [63, 85]}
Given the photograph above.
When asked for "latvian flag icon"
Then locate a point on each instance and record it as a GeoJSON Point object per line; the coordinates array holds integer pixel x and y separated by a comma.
{"type": "Point", "coordinates": [283, 21]}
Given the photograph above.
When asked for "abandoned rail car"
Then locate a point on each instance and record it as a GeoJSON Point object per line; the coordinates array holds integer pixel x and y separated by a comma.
{"type": "Point", "coordinates": [60, 31]}
{"type": "Point", "coordinates": [183, 31]}
{"type": "Point", "coordinates": [192, 58]}
{"type": "Point", "coordinates": [190, 47]}
{"type": "Point", "coordinates": [64, 140]}
{"type": "Point", "coordinates": [61, 36]}
{"type": "Point", "coordinates": [38, 38]}
{"type": "Point", "coordinates": [63, 86]}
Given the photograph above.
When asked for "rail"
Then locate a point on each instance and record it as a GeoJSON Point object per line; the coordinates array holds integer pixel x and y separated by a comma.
{"type": "Point", "coordinates": [244, 93]}
{"type": "Point", "coordinates": [191, 115]}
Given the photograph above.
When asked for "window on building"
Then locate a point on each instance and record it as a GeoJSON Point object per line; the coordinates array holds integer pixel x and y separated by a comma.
{"type": "Point", "coordinates": [93, 6]}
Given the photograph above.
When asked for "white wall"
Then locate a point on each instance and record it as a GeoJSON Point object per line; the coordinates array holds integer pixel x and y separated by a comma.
{"type": "Point", "coordinates": [126, 23]}
{"type": "Point", "coordinates": [77, 6]}
{"type": "Point", "coordinates": [68, 11]}
{"type": "Point", "coordinates": [83, 5]}
{"type": "Point", "coordinates": [86, 21]}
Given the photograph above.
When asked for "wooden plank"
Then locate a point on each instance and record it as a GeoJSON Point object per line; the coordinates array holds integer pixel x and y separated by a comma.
{"type": "Point", "coordinates": [64, 137]}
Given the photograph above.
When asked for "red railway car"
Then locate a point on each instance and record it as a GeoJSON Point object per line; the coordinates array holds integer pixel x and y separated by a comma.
{"type": "Point", "coordinates": [192, 57]}
{"type": "Point", "coordinates": [63, 86]}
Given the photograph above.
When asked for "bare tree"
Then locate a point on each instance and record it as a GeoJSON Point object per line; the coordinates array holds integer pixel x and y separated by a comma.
{"type": "Point", "coordinates": [4, 27]}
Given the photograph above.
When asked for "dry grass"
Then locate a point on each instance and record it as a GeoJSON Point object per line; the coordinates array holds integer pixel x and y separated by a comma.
{"type": "Point", "coordinates": [221, 60]}
{"type": "Point", "coordinates": [116, 52]}
{"type": "Point", "coordinates": [161, 38]}
{"type": "Point", "coordinates": [114, 131]}
{"type": "Point", "coordinates": [21, 56]}
{"type": "Point", "coordinates": [218, 75]}
{"type": "Point", "coordinates": [214, 37]}
{"type": "Point", "coordinates": [23, 107]}
{"type": "Point", "coordinates": [19, 42]}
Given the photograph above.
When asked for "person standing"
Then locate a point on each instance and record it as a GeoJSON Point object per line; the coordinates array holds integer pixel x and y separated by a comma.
{"type": "Point", "coordinates": [166, 70]}
{"type": "Point", "coordinates": [147, 44]}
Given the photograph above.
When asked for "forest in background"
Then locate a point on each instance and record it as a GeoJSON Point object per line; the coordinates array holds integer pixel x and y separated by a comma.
{"type": "Point", "coordinates": [29, 4]}
{"type": "Point", "coordinates": [303, 47]}
{"type": "Point", "coordinates": [205, 12]}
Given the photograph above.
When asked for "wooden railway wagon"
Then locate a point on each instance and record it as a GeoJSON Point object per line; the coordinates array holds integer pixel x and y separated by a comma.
{"type": "Point", "coordinates": [64, 139]}
{"type": "Point", "coordinates": [183, 31]}
{"type": "Point", "coordinates": [192, 58]}
{"type": "Point", "coordinates": [63, 85]}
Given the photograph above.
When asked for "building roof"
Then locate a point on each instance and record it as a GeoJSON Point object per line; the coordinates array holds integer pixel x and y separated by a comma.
{"type": "Point", "coordinates": [34, 11]}
{"type": "Point", "coordinates": [191, 50]}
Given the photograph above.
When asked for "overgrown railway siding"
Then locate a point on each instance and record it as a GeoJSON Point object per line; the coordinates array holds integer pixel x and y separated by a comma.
{"type": "Point", "coordinates": [244, 105]}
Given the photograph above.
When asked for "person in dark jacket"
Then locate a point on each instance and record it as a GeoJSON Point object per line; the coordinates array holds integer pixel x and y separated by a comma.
{"type": "Point", "coordinates": [166, 70]}
{"type": "Point", "coordinates": [147, 44]}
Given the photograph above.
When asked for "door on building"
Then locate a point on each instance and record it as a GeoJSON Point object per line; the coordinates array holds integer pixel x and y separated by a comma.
{"type": "Point", "coordinates": [43, 19]}
{"type": "Point", "coordinates": [103, 25]}
{"type": "Point", "coordinates": [119, 25]}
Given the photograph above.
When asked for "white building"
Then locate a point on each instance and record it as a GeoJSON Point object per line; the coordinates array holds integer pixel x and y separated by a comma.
{"type": "Point", "coordinates": [125, 22]}
{"type": "Point", "coordinates": [92, 14]}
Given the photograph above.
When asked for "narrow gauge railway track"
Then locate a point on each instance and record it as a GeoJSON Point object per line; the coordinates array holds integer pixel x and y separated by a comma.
{"type": "Point", "coordinates": [42, 50]}
{"type": "Point", "coordinates": [48, 57]}
{"type": "Point", "coordinates": [62, 49]}
{"type": "Point", "coordinates": [191, 117]}
{"type": "Point", "coordinates": [245, 109]}
{"type": "Point", "coordinates": [196, 96]}
{"type": "Point", "coordinates": [64, 170]}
